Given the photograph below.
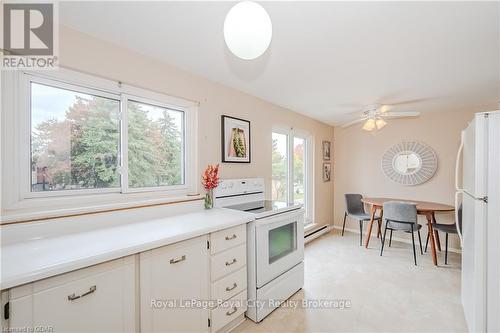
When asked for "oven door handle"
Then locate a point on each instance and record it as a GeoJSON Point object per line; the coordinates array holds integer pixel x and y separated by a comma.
{"type": "Point", "coordinates": [281, 219]}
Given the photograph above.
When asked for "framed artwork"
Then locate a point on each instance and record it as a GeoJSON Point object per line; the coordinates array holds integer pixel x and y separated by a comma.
{"type": "Point", "coordinates": [235, 140]}
{"type": "Point", "coordinates": [327, 150]}
{"type": "Point", "coordinates": [327, 172]}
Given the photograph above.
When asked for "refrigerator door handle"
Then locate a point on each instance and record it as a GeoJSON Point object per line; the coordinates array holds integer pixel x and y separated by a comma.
{"type": "Point", "coordinates": [459, 231]}
{"type": "Point", "coordinates": [457, 162]}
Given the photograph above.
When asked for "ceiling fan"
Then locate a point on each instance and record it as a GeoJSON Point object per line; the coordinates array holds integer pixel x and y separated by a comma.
{"type": "Point", "coordinates": [374, 116]}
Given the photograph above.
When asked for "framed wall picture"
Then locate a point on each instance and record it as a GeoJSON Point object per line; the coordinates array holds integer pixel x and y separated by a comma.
{"type": "Point", "coordinates": [327, 172]}
{"type": "Point", "coordinates": [327, 150]}
{"type": "Point", "coordinates": [236, 144]}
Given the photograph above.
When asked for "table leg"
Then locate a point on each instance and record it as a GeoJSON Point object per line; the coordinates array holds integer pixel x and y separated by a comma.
{"type": "Point", "coordinates": [436, 235]}
{"type": "Point", "coordinates": [373, 209]}
{"type": "Point", "coordinates": [431, 238]}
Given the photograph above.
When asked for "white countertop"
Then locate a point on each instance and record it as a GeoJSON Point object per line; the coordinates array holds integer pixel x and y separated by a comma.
{"type": "Point", "coordinates": [37, 259]}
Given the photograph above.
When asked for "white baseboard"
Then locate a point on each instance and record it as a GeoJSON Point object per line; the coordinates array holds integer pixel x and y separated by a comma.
{"type": "Point", "coordinates": [396, 238]}
{"type": "Point", "coordinates": [317, 234]}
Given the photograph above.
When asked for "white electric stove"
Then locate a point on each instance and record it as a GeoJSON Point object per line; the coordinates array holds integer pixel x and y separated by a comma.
{"type": "Point", "coordinates": [275, 244]}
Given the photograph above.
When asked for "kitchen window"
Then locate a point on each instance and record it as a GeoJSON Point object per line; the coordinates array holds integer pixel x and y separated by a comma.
{"type": "Point", "coordinates": [75, 139]}
{"type": "Point", "coordinates": [291, 168]}
{"type": "Point", "coordinates": [82, 135]}
{"type": "Point", "coordinates": [155, 146]}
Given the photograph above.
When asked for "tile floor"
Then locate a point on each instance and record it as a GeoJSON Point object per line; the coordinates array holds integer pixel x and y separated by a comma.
{"type": "Point", "coordinates": [387, 294]}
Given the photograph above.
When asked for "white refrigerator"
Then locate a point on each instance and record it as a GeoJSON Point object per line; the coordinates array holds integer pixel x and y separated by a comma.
{"type": "Point", "coordinates": [479, 193]}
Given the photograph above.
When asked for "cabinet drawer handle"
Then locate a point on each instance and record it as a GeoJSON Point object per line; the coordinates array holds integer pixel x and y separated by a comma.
{"type": "Point", "coordinates": [229, 263]}
{"type": "Point", "coordinates": [73, 296]}
{"type": "Point", "coordinates": [231, 237]}
{"type": "Point", "coordinates": [175, 261]}
{"type": "Point", "coordinates": [231, 312]}
{"type": "Point", "coordinates": [231, 288]}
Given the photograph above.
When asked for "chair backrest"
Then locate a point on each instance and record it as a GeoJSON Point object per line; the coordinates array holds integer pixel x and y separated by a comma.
{"type": "Point", "coordinates": [353, 204]}
{"type": "Point", "coordinates": [396, 211]}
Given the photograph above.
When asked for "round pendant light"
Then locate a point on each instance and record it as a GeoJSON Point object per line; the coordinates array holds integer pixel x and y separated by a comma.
{"type": "Point", "coordinates": [248, 30]}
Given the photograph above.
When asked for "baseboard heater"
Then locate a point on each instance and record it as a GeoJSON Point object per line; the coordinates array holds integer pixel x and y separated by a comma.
{"type": "Point", "coordinates": [315, 231]}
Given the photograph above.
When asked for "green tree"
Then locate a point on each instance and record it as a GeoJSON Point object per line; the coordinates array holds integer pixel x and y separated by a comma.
{"type": "Point", "coordinates": [82, 150]}
{"type": "Point", "coordinates": [94, 142]}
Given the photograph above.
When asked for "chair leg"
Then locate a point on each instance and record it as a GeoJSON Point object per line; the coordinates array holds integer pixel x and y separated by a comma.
{"type": "Point", "coordinates": [426, 242]}
{"type": "Point", "coordinates": [343, 225]}
{"type": "Point", "coordinates": [420, 242]}
{"type": "Point", "coordinates": [438, 241]}
{"type": "Point", "coordinates": [390, 238]}
{"type": "Point", "coordinates": [383, 239]}
{"type": "Point", "coordinates": [360, 233]}
{"type": "Point", "coordinates": [379, 232]}
{"type": "Point", "coordinates": [446, 250]}
{"type": "Point", "coordinates": [414, 252]}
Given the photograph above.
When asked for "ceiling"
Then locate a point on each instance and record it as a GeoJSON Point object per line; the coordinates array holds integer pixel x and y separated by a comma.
{"type": "Point", "coordinates": [326, 59]}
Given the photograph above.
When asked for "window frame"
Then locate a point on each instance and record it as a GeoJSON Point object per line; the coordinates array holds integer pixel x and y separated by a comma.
{"type": "Point", "coordinates": [124, 177]}
{"type": "Point", "coordinates": [290, 134]}
{"type": "Point", "coordinates": [17, 89]}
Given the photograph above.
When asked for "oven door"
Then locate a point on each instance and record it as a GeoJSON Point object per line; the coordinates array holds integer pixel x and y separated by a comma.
{"type": "Point", "coordinates": [279, 244]}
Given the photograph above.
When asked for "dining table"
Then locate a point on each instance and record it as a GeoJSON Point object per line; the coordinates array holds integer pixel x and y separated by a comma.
{"type": "Point", "coordinates": [425, 208]}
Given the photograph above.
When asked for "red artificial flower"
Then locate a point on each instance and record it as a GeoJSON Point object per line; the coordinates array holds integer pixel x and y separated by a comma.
{"type": "Point", "coordinates": [210, 179]}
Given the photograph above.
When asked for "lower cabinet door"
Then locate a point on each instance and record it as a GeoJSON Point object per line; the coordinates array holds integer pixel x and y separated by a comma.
{"type": "Point", "coordinates": [96, 299]}
{"type": "Point", "coordinates": [174, 284]}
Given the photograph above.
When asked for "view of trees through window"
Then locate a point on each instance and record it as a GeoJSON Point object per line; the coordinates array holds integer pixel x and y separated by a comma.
{"type": "Point", "coordinates": [299, 170]}
{"type": "Point", "coordinates": [279, 167]}
{"type": "Point", "coordinates": [154, 146]}
{"type": "Point", "coordinates": [75, 139]}
{"type": "Point", "coordinates": [280, 172]}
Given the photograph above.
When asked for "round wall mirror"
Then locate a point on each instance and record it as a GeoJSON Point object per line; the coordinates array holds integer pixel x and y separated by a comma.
{"type": "Point", "coordinates": [409, 163]}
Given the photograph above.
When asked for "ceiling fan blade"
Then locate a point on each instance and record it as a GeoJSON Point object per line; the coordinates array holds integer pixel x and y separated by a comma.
{"type": "Point", "coordinates": [412, 101]}
{"type": "Point", "coordinates": [353, 122]}
{"type": "Point", "coordinates": [401, 114]}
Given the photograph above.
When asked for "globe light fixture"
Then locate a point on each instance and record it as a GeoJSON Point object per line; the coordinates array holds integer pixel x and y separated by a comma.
{"type": "Point", "coordinates": [247, 30]}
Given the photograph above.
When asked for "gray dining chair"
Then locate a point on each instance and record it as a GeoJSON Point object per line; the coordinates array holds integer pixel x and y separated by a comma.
{"type": "Point", "coordinates": [356, 209]}
{"type": "Point", "coordinates": [447, 229]}
{"type": "Point", "coordinates": [402, 216]}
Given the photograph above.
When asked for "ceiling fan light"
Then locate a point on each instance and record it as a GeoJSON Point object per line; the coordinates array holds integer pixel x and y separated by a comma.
{"type": "Point", "coordinates": [380, 123]}
{"type": "Point", "coordinates": [369, 124]}
{"type": "Point", "coordinates": [384, 108]}
{"type": "Point", "coordinates": [247, 30]}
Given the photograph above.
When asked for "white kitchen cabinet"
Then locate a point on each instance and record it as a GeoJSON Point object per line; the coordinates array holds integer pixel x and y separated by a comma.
{"type": "Point", "coordinates": [166, 289]}
{"type": "Point", "coordinates": [228, 278]}
{"type": "Point", "coordinates": [227, 238]}
{"type": "Point", "coordinates": [171, 278]}
{"type": "Point", "coordinates": [100, 298]}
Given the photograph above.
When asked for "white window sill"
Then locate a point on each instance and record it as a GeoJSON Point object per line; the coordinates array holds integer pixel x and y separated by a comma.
{"type": "Point", "coordinates": [43, 209]}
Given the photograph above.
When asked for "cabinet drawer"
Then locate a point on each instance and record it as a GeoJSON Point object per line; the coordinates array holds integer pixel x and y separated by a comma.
{"type": "Point", "coordinates": [228, 261]}
{"type": "Point", "coordinates": [228, 311]}
{"type": "Point", "coordinates": [224, 239]}
{"type": "Point", "coordinates": [101, 301]}
{"type": "Point", "coordinates": [230, 285]}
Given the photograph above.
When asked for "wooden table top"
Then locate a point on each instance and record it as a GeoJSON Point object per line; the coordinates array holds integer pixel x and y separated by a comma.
{"type": "Point", "coordinates": [422, 206]}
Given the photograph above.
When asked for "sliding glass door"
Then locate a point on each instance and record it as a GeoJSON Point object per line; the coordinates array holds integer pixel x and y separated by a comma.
{"type": "Point", "coordinates": [291, 169]}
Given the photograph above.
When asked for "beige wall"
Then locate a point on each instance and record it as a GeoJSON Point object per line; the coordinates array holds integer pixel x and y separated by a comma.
{"type": "Point", "coordinates": [87, 54]}
{"type": "Point", "coordinates": [357, 167]}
